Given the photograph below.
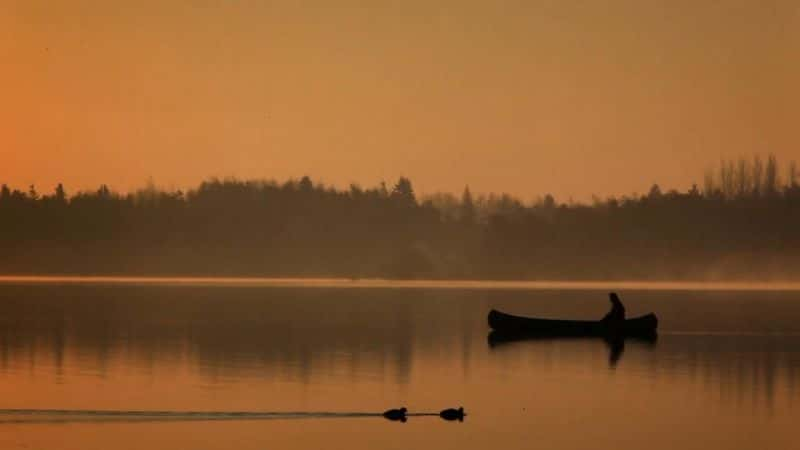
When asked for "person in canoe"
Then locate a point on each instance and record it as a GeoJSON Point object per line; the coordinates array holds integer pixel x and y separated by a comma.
{"type": "Point", "coordinates": [617, 314]}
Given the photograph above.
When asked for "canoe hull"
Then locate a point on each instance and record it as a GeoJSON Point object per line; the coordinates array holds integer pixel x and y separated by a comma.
{"type": "Point", "coordinates": [642, 326]}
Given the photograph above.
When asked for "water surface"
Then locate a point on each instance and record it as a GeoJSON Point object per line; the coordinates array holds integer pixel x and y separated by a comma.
{"type": "Point", "coordinates": [317, 362]}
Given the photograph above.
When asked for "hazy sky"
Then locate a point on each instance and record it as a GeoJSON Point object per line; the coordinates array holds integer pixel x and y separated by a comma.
{"type": "Point", "coordinates": [528, 97]}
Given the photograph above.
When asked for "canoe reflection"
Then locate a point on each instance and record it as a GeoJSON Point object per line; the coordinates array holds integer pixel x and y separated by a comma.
{"type": "Point", "coordinates": [615, 345]}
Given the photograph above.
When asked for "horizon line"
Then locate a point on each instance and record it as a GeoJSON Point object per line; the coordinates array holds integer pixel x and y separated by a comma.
{"type": "Point", "coordinates": [385, 283]}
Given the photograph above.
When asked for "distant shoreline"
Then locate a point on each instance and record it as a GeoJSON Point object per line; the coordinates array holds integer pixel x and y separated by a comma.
{"type": "Point", "coordinates": [263, 228]}
{"type": "Point", "coordinates": [379, 283]}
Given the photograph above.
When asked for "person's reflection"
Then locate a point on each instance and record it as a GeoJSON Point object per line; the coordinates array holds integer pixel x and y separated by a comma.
{"type": "Point", "coordinates": [616, 346]}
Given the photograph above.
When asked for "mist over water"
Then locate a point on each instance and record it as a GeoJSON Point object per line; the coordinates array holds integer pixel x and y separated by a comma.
{"type": "Point", "coordinates": [721, 358]}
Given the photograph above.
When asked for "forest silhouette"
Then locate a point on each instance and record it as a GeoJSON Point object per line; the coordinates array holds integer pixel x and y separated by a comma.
{"type": "Point", "coordinates": [742, 224]}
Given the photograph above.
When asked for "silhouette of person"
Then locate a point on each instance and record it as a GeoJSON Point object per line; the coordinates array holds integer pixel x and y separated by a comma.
{"type": "Point", "coordinates": [617, 313]}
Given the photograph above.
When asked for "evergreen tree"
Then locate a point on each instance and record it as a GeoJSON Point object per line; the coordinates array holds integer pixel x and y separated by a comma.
{"type": "Point", "coordinates": [467, 213]}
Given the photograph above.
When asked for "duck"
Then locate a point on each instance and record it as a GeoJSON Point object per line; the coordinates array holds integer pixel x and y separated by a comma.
{"type": "Point", "coordinates": [452, 414]}
{"type": "Point", "coordinates": [396, 414]}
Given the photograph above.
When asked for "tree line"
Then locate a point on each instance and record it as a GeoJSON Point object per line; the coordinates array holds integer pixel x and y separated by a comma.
{"type": "Point", "coordinates": [741, 225]}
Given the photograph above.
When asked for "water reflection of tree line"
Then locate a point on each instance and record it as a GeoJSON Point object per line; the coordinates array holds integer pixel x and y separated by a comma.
{"type": "Point", "coordinates": [287, 333]}
{"type": "Point", "coordinates": [753, 370]}
{"type": "Point", "coordinates": [739, 225]}
{"type": "Point", "coordinates": [750, 371]}
{"type": "Point", "coordinates": [305, 335]}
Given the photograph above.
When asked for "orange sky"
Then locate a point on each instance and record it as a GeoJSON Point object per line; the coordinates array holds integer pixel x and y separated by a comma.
{"type": "Point", "coordinates": [568, 97]}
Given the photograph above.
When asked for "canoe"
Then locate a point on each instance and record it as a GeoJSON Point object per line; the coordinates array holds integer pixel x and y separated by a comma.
{"type": "Point", "coordinates": [643, 326]}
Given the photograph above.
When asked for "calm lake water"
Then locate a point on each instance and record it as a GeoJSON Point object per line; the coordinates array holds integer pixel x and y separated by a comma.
{"type": "Point", "coordinates": [724, 372]}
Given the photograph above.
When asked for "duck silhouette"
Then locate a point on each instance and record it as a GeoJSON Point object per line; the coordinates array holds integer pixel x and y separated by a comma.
{"type": "Point", "coordinates": [452, 414]}
{"type": "Point", "coordinates": [396, 414]}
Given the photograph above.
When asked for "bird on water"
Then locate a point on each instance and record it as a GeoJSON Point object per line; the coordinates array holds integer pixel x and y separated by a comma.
{"type": "Point", "coordinates": [396, 414]}
{"type": "Point", "coordinates": [452, 414]}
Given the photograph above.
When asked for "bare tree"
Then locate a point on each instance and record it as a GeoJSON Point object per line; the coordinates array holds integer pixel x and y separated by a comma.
{"type": "Point", "coordinates": [771, 177]}
{"type": "Point", "coordinates": [758, 175]}
{"type": "Point", "coordinates": [743, 180]}
{"type": "Point", "coordinates": [727, 178]}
